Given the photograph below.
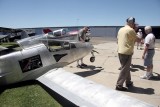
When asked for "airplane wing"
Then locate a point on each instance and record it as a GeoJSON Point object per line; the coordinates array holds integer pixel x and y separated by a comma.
{"type": "Point", "coordinates": [86, 93]}
{"type": "Point", "coordinates": [13, 34]}
{"type": "Point", "coordinates": [59, 40]}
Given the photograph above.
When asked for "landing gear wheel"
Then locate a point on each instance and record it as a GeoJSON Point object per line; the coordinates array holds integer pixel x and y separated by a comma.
{"type": "Point", "coordinates": [92, 59]}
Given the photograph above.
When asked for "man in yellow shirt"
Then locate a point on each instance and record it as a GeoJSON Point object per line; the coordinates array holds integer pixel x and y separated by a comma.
{"type": "Point", "coordinates": [126, 40]}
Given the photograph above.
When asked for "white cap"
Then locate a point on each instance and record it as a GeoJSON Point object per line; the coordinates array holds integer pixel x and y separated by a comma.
{"type": "Point", "coordinates": [139, 30]}
{"type": "Point", "coordinates": [131, 20]}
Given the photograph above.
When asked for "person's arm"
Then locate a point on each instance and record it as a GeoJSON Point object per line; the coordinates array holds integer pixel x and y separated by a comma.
{"type": "Point", "coordinates": [138, 39]}
{"type": "Point", "coordinates": [139, 36]}
{"type": "Point", "coordinates": [80, 36]}
{"type": "Point", "coordinates": [134, 36]}
{"type": "Point", "coordinates": [81, 39]}
{"type": "Point", "coordinates": [145, 50]}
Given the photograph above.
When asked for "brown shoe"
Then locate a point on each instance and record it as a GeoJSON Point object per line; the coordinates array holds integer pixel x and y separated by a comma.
{"type": "Point", "coordinates": [119, 88]}
{"type": "Point", "coordinates": [130, 84]}
{"type": "Point", "coordinates": [119, 68]}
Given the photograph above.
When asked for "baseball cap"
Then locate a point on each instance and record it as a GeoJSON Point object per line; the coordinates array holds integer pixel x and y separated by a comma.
{"type": "Point", "coordinates": [87, 27]}
{"type": "Point", "coordinates": [130, 20]}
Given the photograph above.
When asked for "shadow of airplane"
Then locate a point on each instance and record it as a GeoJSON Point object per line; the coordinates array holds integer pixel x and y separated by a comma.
{"type": "Point", "coordinates": [92, 70]}
{"type": "Point", "coordinates": [60, 99]}
{"type": "Point", "coordinates": [140, 90]}
{"type": "Point", "coordinates": [2, 90]}
{"type": "Point", "coordinates": [91, 67]}
{"type": "Point", "coordinates": [16, 85]}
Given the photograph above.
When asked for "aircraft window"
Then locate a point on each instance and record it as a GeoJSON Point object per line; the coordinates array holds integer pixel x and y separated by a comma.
{"type": "Point", "coordinates": [50, 33]}
{"type": "Point", "coordinates": [58, 33]}
{"type": "Point", "coordinates": [63, 32]}
{"type": "Point", "coordinates": [66, 46]}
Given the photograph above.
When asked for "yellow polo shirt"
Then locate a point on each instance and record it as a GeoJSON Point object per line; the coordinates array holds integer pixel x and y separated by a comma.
{"type": "Point", "coordinates": [126, 40]}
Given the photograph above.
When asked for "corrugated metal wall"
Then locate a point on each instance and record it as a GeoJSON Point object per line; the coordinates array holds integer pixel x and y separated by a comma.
{"type": "Point", "coordinates": [97, 31]}
{"type": "Point", "coordinates": [104, 31]}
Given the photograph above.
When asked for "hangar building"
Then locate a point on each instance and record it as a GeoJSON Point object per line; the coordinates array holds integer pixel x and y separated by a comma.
{"type": "Point", "coordinates": [97, 31]}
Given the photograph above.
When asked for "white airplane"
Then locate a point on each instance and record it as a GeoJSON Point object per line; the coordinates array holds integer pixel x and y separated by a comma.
{"type": "Point", "coordinates": [65, 34]}
{"type": "Point", "coordinates": [60, 32]}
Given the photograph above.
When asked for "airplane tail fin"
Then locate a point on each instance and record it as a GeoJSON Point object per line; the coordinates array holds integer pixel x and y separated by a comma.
{"type": "Point", "coordinates": [47, 30]}
{"type": "Point", "coordinates": [24, 34]}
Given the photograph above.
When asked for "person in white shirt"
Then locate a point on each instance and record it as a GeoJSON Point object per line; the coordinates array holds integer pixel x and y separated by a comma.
{"type": "Point", "coordinates": [140, 35]}
{"type": "Point", "coordinates": [149, 45]}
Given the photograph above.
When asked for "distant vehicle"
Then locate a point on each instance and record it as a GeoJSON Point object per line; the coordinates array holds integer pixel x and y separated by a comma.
{"type": "Point", "coordinates": [65, 34]}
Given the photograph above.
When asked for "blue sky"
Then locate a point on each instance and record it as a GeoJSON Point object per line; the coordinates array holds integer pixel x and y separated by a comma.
{"type": "Point", "coordinates": [55, 13]}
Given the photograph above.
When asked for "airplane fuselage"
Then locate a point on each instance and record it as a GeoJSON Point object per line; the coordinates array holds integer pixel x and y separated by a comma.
{"type": "Point", "coordinates": [34, 61]}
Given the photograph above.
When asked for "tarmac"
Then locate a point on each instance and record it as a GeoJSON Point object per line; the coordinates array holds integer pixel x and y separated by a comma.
{"type": "Point", "coordinates": [105, 71]}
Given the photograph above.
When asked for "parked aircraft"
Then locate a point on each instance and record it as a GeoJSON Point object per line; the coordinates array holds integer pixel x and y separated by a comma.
{"type": "Point", "coordinates": [4, 38]}
{"type": "Point", "coordinates": [65, 34]}
{"type": "Point", "coordinates": [11, 35]}
{"type": "Point", "coordinates": [60, 32]}
{"type": "Point", "coordinates": [31, 57]}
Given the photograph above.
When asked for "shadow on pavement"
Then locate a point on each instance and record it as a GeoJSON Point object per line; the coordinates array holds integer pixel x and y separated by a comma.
{"type": "Point", "coordinates": [138, 66]}
{"type": "Point", "coordinates": [133, 69]}
{"type": "Point", "coordinates": [155, 77]}
{"type": "Point", "coordinates": [140, 90]}
{"type": "Point", "coordinates": [91, 67]}
{"type": "Point", "coordinates": [92, 70]}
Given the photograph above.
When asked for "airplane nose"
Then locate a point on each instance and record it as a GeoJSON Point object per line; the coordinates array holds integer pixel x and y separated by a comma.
{"type": "Point", "coordinates": [91, 46]}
